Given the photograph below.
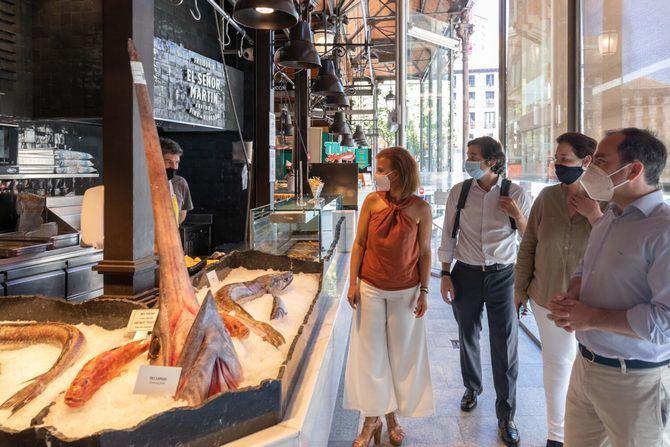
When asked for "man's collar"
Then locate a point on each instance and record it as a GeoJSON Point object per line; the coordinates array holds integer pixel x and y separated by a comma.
{"type": "Point", "coordinates": [646, 204]}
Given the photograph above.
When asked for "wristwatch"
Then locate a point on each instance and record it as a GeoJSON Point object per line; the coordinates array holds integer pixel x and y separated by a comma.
{"type": "Point", "coordinates": [445, 273]}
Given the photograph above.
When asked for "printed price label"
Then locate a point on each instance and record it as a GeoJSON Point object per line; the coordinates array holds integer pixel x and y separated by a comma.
{"type": "Point", "coordinates": [212, 278]}
{"type": "Point", "coordinates": [142, 320]}
{"type": "Point", "coordinates": [137, 71]}
{"type": "Point", "coordinates": [157, 380]}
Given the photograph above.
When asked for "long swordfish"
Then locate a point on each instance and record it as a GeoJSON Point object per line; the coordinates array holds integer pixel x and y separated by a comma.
{"type": "Point", "coordinates": [185, 334]}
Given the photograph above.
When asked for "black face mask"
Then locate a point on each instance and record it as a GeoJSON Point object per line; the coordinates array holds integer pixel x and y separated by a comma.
{"type": "Point", "coordinates": [170, 173]}
{"type": "Point", "coordinates": [568, 174]}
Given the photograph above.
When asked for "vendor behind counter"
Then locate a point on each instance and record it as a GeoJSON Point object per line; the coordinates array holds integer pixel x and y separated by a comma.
{"type": "Point", "coordinates": [172, 153]}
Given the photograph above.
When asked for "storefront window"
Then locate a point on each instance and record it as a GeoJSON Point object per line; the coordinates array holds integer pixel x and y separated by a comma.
{"type": "Point", "coordinates": [626, 67]}
{"type": "Point", "coordinates": [537, 90]}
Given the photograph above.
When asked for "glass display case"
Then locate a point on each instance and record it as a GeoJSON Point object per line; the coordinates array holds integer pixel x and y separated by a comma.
{"type": "Point", "coordinates": [300, 229]}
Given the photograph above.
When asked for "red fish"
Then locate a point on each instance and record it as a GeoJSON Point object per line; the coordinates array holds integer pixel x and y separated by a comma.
{"type": "Point", "coordinates": [100, 370]}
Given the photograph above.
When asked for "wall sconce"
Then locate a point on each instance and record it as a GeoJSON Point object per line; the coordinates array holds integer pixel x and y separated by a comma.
{"type": "Point", "coordinates": [608, 42]}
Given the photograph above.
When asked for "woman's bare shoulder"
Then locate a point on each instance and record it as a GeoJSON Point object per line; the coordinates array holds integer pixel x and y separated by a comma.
{"type": "Point", "coordinates": [371, 201]}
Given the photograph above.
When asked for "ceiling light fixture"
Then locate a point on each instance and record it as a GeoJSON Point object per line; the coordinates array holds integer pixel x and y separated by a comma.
{"type": "Point", "coordinates": [327, 82]}
{"type": "Point", "coordinates": [347, 141]}
{"type": "Point", "coordinates": [266, 14]}
{"type": "Point", "coordinates": [299, 51]}
{"type": "Point", "coordinates": [339, 126]}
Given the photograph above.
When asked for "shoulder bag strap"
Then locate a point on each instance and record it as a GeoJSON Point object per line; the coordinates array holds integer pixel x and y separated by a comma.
{"type": "Point", "coordinates": [461, 204]}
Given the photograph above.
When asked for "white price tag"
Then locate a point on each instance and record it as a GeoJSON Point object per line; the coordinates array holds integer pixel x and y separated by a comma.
{"type": "Point", "coordinates": [142, 320]}
{"type": "Point", "coordinates": [137, 70]}
{"type": "Point", "coordinates": [212, 278]}
{"type": "Point", "coordinates": [157, 380]}
{"type": "Point", "coordinates": [140, 335]}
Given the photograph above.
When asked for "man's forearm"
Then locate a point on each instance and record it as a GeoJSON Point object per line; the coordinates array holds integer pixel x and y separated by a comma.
{"type": "Point", "coordinates": [575, 286]}
{"type": "Point", "coordinates": [611, 321]}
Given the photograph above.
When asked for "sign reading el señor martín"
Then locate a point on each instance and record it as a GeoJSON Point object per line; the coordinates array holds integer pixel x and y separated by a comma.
{"type": "Point", "coordinates": [190, 88]}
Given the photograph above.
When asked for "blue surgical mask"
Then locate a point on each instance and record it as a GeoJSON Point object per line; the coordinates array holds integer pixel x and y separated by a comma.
{"type": "Point", "coordinates": [474, 169]}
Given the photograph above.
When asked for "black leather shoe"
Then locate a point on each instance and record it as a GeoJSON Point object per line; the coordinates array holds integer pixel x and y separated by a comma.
{"type": "Point", "coordinates": [508, 433]}
{"type": "Point", "coordinates": [469, 400]}
{"type": "Point", "coordinates": [552, 443]}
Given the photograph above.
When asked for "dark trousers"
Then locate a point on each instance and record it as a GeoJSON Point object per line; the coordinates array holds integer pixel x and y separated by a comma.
{"type": "Point", "coordinates": [495, 289]}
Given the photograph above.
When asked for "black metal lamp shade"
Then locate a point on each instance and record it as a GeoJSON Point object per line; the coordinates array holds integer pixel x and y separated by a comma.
{"type": "Point", "coordinates": [266, 14]}
{"type": "Point", "coordinates": [359, 135]}
{"type": "Point", "coordinates": [347, 141]}
{"type": "Point", "coordinates": [337, 101]}
{"type": "Point", "coordinates": [339, 125]}
{"type": "Point", "coordinates": [327, 81]}
{"type": "Point", "coordinates": [299, 51]}
{"type": "Point", "coordinates": [285, 127]}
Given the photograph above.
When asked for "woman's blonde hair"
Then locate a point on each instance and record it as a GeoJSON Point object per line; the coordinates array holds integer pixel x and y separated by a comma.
{"type": "Point", "coordinates": [405, 167]}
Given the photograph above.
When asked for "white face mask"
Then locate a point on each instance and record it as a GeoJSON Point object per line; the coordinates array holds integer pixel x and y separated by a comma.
{"type": "Point", "coordinates": [383, 182]}
{"type": "Point", "coordinates": [598, 184]}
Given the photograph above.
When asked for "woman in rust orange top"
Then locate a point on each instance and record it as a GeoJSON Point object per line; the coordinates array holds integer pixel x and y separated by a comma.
{"type": "Point", "coordinates": [387, 365]}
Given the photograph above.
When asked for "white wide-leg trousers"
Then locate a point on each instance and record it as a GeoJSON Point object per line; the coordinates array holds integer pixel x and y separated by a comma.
{"type": "Point", "coordinates": [387, 365]}
{"type": "Point", "coordinates": [559, 349]}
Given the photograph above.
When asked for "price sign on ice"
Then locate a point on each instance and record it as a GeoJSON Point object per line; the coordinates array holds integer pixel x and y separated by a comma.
{"type": "Point", "coordinates": [157, 380]}
{"type": "Point", "coordinates": [212, 278]}
{"type": "Point", "coordinates": [142, 320]}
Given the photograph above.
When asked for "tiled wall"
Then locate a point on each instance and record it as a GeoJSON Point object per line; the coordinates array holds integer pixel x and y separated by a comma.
{"type": "Point", "coordinates": [67, 58]}
{"type": "Point", "coordinates": [215, 182]}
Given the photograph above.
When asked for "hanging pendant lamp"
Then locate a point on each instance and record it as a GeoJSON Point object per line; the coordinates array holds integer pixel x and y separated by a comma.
{"type": "Point", "coordinates": [327, 81]}
{"type": "Point", "coordinates": [337, 101]}
{"type": "Point", "coordinates": [339, 125]}
{"type": "Point", "coordinates": [347, 141]}
{"type": "Point", "coordinates": [299, 51]}
{"type": "Point", "coordinates": [359, 135]}
{"type": "Point", "coordinates": [285, 127]}
{"type": "Point", "coordinates": [266, 14]}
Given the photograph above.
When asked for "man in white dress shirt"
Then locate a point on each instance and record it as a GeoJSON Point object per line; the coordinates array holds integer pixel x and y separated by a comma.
{"type": "Point", "coordinates": [482, 219]}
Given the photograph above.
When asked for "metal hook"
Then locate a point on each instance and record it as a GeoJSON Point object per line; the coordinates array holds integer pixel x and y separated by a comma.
{"type": "Point", "coordinates": [179, 2]}
{"type": "Point", "coordinates": [199, 16]}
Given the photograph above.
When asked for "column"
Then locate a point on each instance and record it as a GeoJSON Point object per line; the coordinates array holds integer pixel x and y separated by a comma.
{"type": "Point", "coordinates": [129, 262]}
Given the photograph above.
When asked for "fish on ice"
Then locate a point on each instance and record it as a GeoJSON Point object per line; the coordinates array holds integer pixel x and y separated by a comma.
{"type": "Point", "coordinates": [67, 336]}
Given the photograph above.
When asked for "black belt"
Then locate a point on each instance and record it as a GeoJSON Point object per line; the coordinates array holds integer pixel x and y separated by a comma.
{"type": "Point", "coordinates": [630, 364]}
{"type": "Point", "coordinates": [485, 268]}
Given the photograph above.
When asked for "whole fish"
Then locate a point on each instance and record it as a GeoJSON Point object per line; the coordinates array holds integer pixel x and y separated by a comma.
{"type": "Point", "coordinates": [278, 308]}
{"type": "Point", "coordinates": [227, 306]}
{"type": "Point", "coordinates": [175, 331]}
{"type": "Point", "coordinates": [67, 336]}
{"type": "Point", "coordinates": [209, 362]}
{"type": "Point", "coordinates": [100, 370]}
{"type": "Point", "coordinates": [235, 327]}
{"type": "Point", "coordinates": [243, 292]}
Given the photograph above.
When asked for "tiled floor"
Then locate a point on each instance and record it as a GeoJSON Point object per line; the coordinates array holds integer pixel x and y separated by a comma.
{"type": "Point", "coordinates": [449, 426]}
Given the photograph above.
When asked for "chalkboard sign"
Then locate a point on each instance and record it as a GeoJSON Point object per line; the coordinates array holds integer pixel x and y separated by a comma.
{"type": "Point", "coordinates": [190, 88]}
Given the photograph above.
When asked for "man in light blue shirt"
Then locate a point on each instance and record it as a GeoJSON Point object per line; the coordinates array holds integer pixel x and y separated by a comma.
{"type": "Point", "coordinates": [619, 302]}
